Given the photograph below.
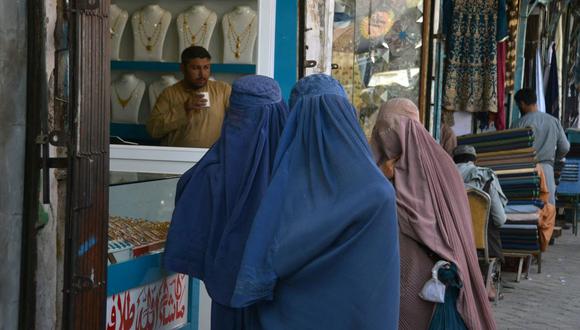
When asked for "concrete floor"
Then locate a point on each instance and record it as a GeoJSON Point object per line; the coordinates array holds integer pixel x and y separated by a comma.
{"type": "Point", "coordinates": [549, 300]}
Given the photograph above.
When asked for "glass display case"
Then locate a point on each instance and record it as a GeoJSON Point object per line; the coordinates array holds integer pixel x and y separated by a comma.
{"type": "Point", "coordinates": [141, 294]}
{"type": "Point", "coordinates": [376, 52]}
{"type": "Point", "coordinates": [140, 206]}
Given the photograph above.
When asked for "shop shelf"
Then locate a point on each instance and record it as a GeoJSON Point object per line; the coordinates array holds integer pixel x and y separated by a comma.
{"type": "Point", "coordinates": [133, 133]}
{"type": "Point", "coordinates": [174, 67]}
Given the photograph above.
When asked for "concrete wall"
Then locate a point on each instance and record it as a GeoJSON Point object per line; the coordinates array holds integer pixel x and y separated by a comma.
{"type": "Point", "coordinates": [12, 141]}
{"type": "Point", "coordinates": [48, 297]}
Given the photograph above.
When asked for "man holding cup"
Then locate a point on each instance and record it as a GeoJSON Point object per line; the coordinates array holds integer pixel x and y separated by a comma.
{"type": "Point", "coordinates": [190, 113]}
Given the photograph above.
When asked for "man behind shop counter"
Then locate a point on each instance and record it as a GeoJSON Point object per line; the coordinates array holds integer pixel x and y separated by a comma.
{"type": "Point", "coordinates": [549, 138]}
{"type": "Point", "coordinates": [190, 113]}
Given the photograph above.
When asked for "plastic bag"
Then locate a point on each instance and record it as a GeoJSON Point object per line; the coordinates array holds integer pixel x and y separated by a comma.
{"type": "Point", "coordinates": [434, 290]}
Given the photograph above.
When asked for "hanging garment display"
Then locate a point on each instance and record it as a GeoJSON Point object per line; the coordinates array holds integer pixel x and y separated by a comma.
{"type": "Point", "coordinates": [577, 65]}
{"type": "Point", "coordinates": [539, 82]}
{"type": "Point", "coordinates": [510, 64]}
{"type": "Point", "coordinates": [573, 56]}
{"type": "Point", "coordinates": [473, 28]}
{"type": "Point", "coordinates": [552, 94]}
{"type": "Point", "coordinates": [572, 107]}
{"type": "Point", "coordinates": [500, 118]}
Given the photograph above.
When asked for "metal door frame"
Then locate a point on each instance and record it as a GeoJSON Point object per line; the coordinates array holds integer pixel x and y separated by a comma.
{"type": "Point", "coordinates": [85, 273]}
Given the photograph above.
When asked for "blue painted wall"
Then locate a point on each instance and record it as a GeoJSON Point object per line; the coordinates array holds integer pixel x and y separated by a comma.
{"type": "Point", "coordinates": [286, 52]}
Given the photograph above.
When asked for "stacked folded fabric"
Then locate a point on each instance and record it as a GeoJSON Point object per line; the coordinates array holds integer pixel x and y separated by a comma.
{"type": "Point", "coordinates": [511, 155]}
{"type": "Point", "coordinates": [574, 138]}
{"type": "Point", "coordinates": [569, 179]}
{"type": "Point", "coordinates": [516, 237]}
{"type": "Point", "coordinates": [494, 142]}
{"type": "Point", "coordinates": [569, 185]}
{"type": "Point", "coordinates": [520, 231]}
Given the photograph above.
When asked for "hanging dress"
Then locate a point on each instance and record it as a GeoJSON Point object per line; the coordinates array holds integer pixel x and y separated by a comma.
{"type": "Point", "coordinates": [473, 28]}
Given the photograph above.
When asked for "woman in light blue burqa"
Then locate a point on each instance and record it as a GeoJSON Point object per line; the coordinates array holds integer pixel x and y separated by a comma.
{"type": "Point", "coordinates": [217, 199]}
{"type": "Point", "coordinates": [323, 251]}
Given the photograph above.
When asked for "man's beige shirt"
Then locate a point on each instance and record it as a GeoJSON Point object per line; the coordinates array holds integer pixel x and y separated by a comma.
{"type": "Point", "coordinates": [199, 129]}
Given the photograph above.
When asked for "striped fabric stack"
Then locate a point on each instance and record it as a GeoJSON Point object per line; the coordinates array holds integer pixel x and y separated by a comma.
{"type": "Point", "coordinates": [520, 232]}
{"type": "Point", "coordinates": [511, 155]}
{"type": "Point", "coordinates": [568, 190]}
{"type": "Point", "coordinates": [574, 138]}
{"type": "Point", "coordinates": [572, 158]}
{"type": "Point", "coordinates": [569, 179]}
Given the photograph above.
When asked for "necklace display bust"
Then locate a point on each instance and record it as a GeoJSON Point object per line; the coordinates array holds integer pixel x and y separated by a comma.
{"type": "Point", "coordinates": [126, 95]}
{"type": "Point", "coordinates": [240, 28]}
{"type": "Point", "coordinates": [195, 27]}
{"type": "Point", "coordinates": [118, 18]}
{"type": "Point", "coordinates": [157, 87]}
{"type": "Point", "coordinates": [150, 26]}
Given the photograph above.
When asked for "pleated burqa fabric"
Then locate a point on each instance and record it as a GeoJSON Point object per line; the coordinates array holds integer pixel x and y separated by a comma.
{"type": "Point", "coordinates": [433, 213]}
{"type": "Point", "coordinates": [217, 199]}
{"type": "Point", "coordinates": [323, 252]}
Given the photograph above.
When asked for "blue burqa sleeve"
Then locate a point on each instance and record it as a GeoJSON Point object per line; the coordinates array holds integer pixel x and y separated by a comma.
{"type": "Point", "coordinates": [323, 250]}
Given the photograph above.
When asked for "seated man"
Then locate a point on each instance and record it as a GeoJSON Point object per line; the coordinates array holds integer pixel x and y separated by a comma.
{"type": "Point", "coordinates": [191, 112]}
{"type": "Point", "coordinates": [484, 178]}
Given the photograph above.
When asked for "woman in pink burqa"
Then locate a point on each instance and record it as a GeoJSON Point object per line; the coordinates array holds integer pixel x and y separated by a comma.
{"type": "Point", "coordinates": [434, 217]}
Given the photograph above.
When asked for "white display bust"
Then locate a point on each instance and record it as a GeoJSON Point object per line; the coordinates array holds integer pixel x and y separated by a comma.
{"type": "Point", "coordinates": [150, 26]}
{"type": "Point", "coordinates": [240, 28]}
{"type": "Point", "coordinates": [195, 27]}
{"type": "Point", "coordinates": [157, 87]}
{"type": "Point", "coordinates": [126, 95]}
{"type": "Point", "coordinates": [118, 18]}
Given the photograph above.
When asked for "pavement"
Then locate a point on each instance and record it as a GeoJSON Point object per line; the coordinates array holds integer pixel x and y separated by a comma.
{"type": "Point", "coordinates": [549, 300]}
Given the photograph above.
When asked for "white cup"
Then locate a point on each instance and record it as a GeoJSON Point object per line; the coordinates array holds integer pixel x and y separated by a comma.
{"type": "Point", "coordinates": [205, 96]}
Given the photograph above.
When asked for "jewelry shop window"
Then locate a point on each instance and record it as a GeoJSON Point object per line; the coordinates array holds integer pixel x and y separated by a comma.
{"type": "Point", "coordinates": [146, 40]}
{"type": "Point", "coordinates": [376, 52]}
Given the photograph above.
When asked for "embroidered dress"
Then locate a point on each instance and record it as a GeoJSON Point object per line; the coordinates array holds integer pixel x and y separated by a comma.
{"type": "Point", "coordinates": [510, 65]}
{"type": "Point", "coordinates": [500, 119]}
{"type": "Point", "coordinates": [473, 29]}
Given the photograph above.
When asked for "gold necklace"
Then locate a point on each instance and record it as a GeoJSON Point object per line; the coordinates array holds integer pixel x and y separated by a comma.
{"type": "Point", "coordinates": [125, 102]}
{"type": "Point", "coordinates": [150, 41]}
{"type": "Point", "coordinates": [236, 40]}
{"type": "Point", "coordinates": [190, 36]}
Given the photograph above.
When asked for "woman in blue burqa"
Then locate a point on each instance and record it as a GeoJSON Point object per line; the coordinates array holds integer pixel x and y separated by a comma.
{"type": "Point", "coordinates": [323, 250]}
{"type": "Point", "coordinates": [217, 199]}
